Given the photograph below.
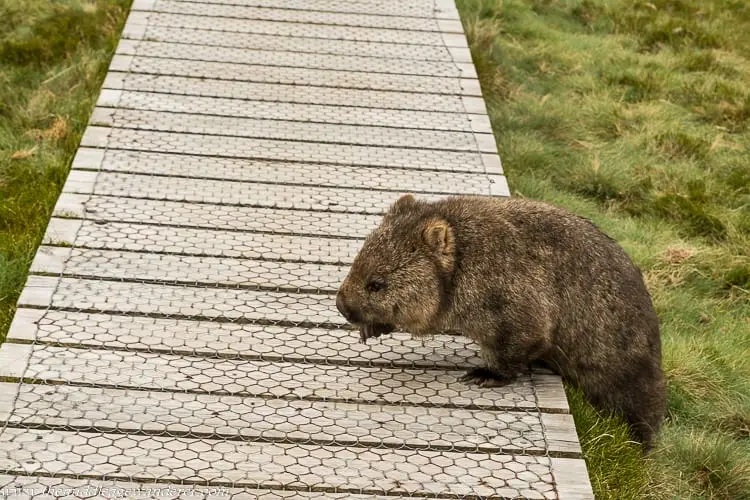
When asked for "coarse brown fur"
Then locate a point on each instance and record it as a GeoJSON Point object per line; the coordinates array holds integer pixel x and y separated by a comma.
{"type": "Point", "coordinates": [528, 282]}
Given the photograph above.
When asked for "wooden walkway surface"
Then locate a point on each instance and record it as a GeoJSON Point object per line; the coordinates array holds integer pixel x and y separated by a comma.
{"type": "Point", "coordinates": [178, 337]}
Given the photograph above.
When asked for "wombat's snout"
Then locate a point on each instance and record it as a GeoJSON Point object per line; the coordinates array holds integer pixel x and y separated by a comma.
{"type": "Point", "coordinates": [351, 315]}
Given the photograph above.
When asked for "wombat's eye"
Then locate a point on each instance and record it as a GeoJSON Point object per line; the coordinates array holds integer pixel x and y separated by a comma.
{"type": "Point", "coordinates": [375, 285]}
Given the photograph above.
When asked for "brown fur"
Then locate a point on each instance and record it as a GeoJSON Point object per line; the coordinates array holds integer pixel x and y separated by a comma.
{"type": "Point", "coordinates": [528, 282]}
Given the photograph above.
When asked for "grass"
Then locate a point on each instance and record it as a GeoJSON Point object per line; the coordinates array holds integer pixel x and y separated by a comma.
{"type": "Point", "coordinates": [637, 115]}
{"type": "Point", "coordinates": [53, 57]}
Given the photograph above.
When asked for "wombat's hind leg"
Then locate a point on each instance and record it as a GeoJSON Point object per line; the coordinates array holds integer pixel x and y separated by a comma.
{"type": "Point", "coordinates": [638, 394]}
{"type": "Point", "coordinates": [644, 415]}
{"type": "Point", "coordinates": [643, 433]}
{"type": "Point", "coordinates": [484, 377]}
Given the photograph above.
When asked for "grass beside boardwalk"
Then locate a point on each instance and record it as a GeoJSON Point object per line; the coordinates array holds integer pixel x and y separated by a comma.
{"type": "Point", "coordinates": [637, 115]}
{"type": "Point", "coordinates": [53, 57]}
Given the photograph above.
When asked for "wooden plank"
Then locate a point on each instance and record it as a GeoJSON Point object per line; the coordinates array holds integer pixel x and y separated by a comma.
{"type": "Point", "coordinates": [221, 11]}
{"type": "Point", "coordinates": [288, 130]}
{"type": "Point", "coordinates": [189, 270]}
{"type": "Point", "coordinates": [323, 225]}
{"type": "Point", "coordinates": [571, 479]}
{"type": "Point", "coordinates": [239, 341]}
{"type": "Point", "coordinates": [14, 360]}
{"type": "Point", "coordinates": [322, 32]}
{"type": "Point", "coordinates": [8, 394]}
{"type": "Point", "coordinates": [324, 78]}
{"type": "Point", "coordinates": [274, 420]}
{"type": "Point", "coordinates": [295, 43]}
{"type": "Point", "coordinates": [551, 393]}
{"type": "Point", "coordinates": [560, 432]}
{"type": "Point", "coordinates": [280, 172]}
{"type": "Point", "coordinates": [273, 57]}
{"type": "Point", "coordinates": [25, 325]}
{"type": "Point", "coordinates": [276, 149]}
{"type": "Point", "coordinates": [156, 239]}
{"type": "Point", "coordinates": [296, 466]}
{"type": "Point", "coordinates": [62, 232]}
{"type": "Point", "coordinates": [303, 94]}
{"type": "Point", "coordinates": [256, 378]}
{"type": "Point", "coordinates": [245, 305]}
{"type": "Point", "coordinates": [38, 291]}
{"type": "Point", "coordinates": [64, 488]}
{"type": "Point", "coordinates": [440, 9]}
{"type": "Point", "coordinates": [50, 260]}
{"type": "Point", "coordinates": [248, 194]}
{"type": "Point", "coordinates": [110, 101]}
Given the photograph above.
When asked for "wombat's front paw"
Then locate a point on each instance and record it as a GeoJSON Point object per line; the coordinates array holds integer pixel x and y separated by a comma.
{"type": "Point", "coordinates": [484, 377]}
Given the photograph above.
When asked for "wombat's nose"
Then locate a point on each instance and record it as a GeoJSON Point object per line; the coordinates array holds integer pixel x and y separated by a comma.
{"type": "Point", "coordinates": [344, 309]}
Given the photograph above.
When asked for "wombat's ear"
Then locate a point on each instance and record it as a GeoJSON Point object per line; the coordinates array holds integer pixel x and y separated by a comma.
{"type": "Point", "coordinates": [438, 236]}
{"type": "Point", "coordinates": [406, 201]}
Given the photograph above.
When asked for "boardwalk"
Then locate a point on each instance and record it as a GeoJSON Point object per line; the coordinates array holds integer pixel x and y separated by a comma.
{"type": "Point", "coordinates": [179, 331]}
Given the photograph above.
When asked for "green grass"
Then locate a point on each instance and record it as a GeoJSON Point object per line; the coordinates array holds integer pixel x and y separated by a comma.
{"type": "Point", "coordinates": [637, 115]}
{"type": "Point", "coordinates": [53, 57]}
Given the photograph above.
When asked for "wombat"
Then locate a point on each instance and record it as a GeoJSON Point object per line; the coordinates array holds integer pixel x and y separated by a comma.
{"type": "Point", "coordinates": [527, 281]}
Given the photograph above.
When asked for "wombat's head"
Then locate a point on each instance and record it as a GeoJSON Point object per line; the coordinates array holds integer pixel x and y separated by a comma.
{"type": "Point", "coordinates": [398, 278]}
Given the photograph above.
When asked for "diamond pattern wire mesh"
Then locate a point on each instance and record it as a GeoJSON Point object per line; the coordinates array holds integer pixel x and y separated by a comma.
{"type": "Point", "coordinates": [105, 209]}
{"type": "Point", "coordinates": [325, 31]}
{"type": "Point", "coordinates": [178, 337]}
{"type": "Point", "coordinates": [219, 53]}
{"type": "Point", "coordinates": [398, 9]}
{"type": "Point", "coordinates": [295, 174]}
{"type": "Point", "coordinates": [167, 34]}
{"type": "Point", "coordinates": [233, 193]}
{"type": "Point", "coordinates": [279, 111]}
{"type": "Point", "coordinates": [307, 15]}
{"type": "Point", "coordinates": [283, 149]}
{"type": "Point", "coordinates": [288, 130]}
{"type": "Point", "coordinates": [290, 75]}
{"type": "Point", "coordinates": [277, 92]}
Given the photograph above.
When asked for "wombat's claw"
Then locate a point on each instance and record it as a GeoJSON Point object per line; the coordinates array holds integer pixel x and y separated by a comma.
{"type": "Point", "coordinates": [373, 330]}
{"type": "Point", "coordinates": [483, 377]}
